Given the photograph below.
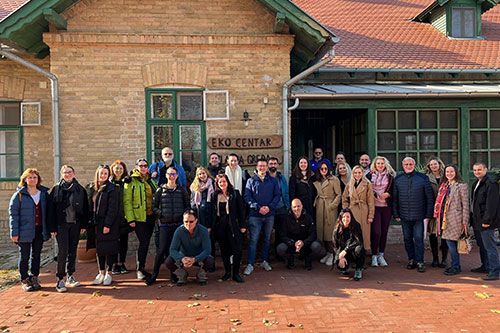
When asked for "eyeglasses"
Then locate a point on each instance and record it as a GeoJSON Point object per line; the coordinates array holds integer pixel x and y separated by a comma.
{"type": "Point", "coordinates": [168, 154]}
{"type": "Point", "coordinates": [190, 221]}
{"type": "Point", "coordinates": [142, 165]}
{"type": "Point", "coordinates": [324, 169]}
{"type": "Point", "coordinates": [318, 152]}
{"type": "Point", "coordinates": [172, 174]}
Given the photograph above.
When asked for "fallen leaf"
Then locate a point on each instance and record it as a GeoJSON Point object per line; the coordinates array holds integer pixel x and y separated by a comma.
{"type": "Point", "coordinates": [65, 331]}
{"type": "Point", "coordinates": [270, 284]}
{"type": "Point", "coordinates": [151, 302]}
{"type": "Point", "coordinates": [315, 293]}
{"type": "Point", "coordinates": [207, 306]}
{"type": "Point", "coordinates": [233, 329]}
{"type": "Point", "coordinates": [495, 311]}
{"type": "Point", "coordinates": [4, 328]}
{"type": "Point", "coordinates": [283, 278]}
{"type": "Point", "coordinates": [195, 296]}
{"type": "Point", "coordinates": [19, 322]}
{"type": "Point", "coordinates": [233, 292]}
{"type": "Point", "coordinates": [199, 318]}
{"type": "Point", "coordinates": [44, 295]}
{"type": "Point", "coordinates": [290, 325]}
{"type": "Point", "coordinates": [380, 282]}
{"type": "Point", "coordinates": [484, 286]}
{"type": "Point", "coordinates": [114, 287]}
{"type": "Point", "coordinates": [97, 293]}
{"type": "Point", "coordinates": [192, 305]}
{"type": "Point", "coordinates": [223, 310]}
{"type": "Point", "coordinates": [194, 330]}
{"type": "Point", "coordinates": [220, 280]}
{"type": "Point", "coordinates": [360, 291]}
{"type": "Point", "coordinates": [27, 314]}
{"type": "Point", "coordinates": [482, 295]}
{"type": "Point", "coordinates": [270, 311]}
{"type": "Point", "coordinates": [236, 322]}
{"type": "Point", "coordinates": [171, 285]}
{"type": "Point", "coordinates": [27, 307]}
{"type": "Point", "coordinates": [395, 294]}
{"type": "Point", "coordinates": [301, 326]}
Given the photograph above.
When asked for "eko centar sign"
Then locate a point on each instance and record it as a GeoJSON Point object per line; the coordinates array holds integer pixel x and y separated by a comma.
{"type": "Point", "coordinates": [242, 146]}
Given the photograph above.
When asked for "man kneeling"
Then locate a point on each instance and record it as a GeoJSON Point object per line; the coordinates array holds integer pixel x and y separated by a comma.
{"type": "Point", "coordinates": [298, 236]}
{"type": "Point", "coordinates": [190, 247]}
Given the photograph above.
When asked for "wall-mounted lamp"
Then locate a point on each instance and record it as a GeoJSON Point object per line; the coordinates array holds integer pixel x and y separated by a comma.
{"type": "Point", "coordinates": [246, 118]}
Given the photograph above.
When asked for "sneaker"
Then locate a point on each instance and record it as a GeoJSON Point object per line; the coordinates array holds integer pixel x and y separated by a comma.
{"type": "Point", "coordinates": [107, 279]}
{"type": "Point", "coordinates": [344, 271]}
{"type": "Point", "coordinates": [325, 258]}
{"type": "Point", "coordinates": [443, 264]}
{"type": "Point", "coordinates": [452, 271]}
{"type": "Point", "coordinates": [411, 264]}
{"type": "Point", "coordinates": [182, 276]}
{"type": "Point", "coordinates": [490, 277]}
{"type": "Point", "coordinates": [420, 267]}
{"type": "Point", "coordinates": [61, 286]}
{"type": "Point", "coordinates": [35, 282]}
{"type": "Point", "coordinates": [265, 265]}
{"type": "Point", "coordinates": [358, 274]}
{"type": "Point", "coordinates": [116, 269]}
{"type": "Point", "coordinates": [479, 269]}
{"type": "Point", "coordinates": [202, 277]}
{"type": "Point", "coordinates": [72, 282]}
{"type": "Point", "coordinates": [99, 279]}
{"type": "Point", "coordinates": [142, 275]}
{"type": "Point", "coordinates": [329, 261]}
{"type": "Point", "coordinates": [226, 276]}
{"type": "Point", "coordinates": [123, 269]}
{"type": "Point", "coordinates": [381, 260]}
{"type": "Point", "coordinates": [248, 270]}
{"type": "Point", "coordinates": [237, 278]}
{"type": "Point", "coordinates": [374, 261]}
{"type": "Point", "coordinates": [26, 285]}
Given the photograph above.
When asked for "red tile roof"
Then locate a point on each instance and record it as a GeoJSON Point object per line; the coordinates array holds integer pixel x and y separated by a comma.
{"type": "Point", "coordinates": [381, 34]}
{"type": "Point", "coordinates": [9, 6]}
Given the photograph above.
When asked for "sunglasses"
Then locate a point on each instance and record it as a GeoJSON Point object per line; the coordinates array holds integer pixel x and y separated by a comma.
{"type": "Point", "coordinates": [324, 169]}
{"type": "Point", "coordinates": [142, 165]}
{"type": "Point", "coordinates": [190, 221]}
{"type": "Point", "coordinates": [318, 152]}
{"type": "Point", "coordinates": [172, 174]}
{"type": "Point", "coordinates": [168, 154]}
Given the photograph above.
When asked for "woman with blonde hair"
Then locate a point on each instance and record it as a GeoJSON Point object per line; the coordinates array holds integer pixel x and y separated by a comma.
{"type": "Point", "coordinates": [382, 178]}
{"type": "Point", "coordinates": [358, 197]}
{"type": "Point", "coordinates": [28, 209]}
{"type": "Point", "coordinates": [202, 188]}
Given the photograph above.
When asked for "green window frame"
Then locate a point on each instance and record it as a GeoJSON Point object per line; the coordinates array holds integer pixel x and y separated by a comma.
{"type": "Point", "coordinates": [11, 141]}
{"type": "Point", "coordinates": [431, 132]}
{"type": "Point", "coordinates": [174, 118]}
{"type": "Point", "coordinates": [484, 134]}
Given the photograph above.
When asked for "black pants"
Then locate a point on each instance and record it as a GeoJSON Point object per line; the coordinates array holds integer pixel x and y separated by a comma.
{"type": "Point", "coordinates": [144, 230]}
{"type": "Point", "coordinates": [311, 252]}
{"type": "Point", "coordinates": [482, 250]}
{"type": "Point", "coordinates": [279, 221]}
{"type": "Point", "coordinates": [106, 262]}
{"type": "Point", "coordinates": [166, 233]}
{"type": "Point", "coordinates": [172, 265]}
{"type": "Point", "coordinates": [68, 235]}
{"type": "Point", "coordinates": [356, 256]}
{"type": "Point", "coordinates": [123, 247]}
{"type": "Point", "coordinates": [31, 249]}
{"type": "Point", "coordinates": [230, 246]}
{"type": "Point", "coordinates": [433, 241]}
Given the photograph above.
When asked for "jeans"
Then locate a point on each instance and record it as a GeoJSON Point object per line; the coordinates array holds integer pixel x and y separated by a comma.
{"type": "Point", "coordinates": [144, 230]}
{"type": "Point", "coordinates": [166, 235]}
{"type": "Point", "coordinates": [455, 256]}
{"type": "Point", "coordinates": [256, 224]}
{"type": "Point", "coordinates": [490, 245]}
{"type": "Point", "coordinates": [31, 249]}
{"type": "Point", "coordinates": [68, 235]}
{"type": "Point", "coordinates": [380, 228]}
{"type": "Point", "coordinates": [413, 233]}
{"type": "Point", "coordinates": [482, 250]}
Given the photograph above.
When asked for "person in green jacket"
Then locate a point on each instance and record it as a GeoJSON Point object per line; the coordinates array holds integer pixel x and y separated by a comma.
{"type": "Point", "coordinates": [138, 193]}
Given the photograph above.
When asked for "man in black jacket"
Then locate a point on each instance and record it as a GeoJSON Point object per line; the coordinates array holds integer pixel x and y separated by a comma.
{"type": "Point", "coordinates": [413, 206]}
{"type": "Point", "coordinates": [485, 218]}
{"type": "Point", "coordinates": [298, 235]}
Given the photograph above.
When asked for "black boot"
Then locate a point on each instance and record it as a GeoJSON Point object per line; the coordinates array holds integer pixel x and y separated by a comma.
{"type": "Point", "coordinates": [308, 263]}
{"type": "Point", "coordinates": [151, 279]}
{"type": "Point", "coordinates": [433, 241]}
{"type": "Point", "coordinates": [290, 262]}
{"type": "Point", "coordinates": [226, 276]}
{"type": "Point", "coordinates": [444, 252]}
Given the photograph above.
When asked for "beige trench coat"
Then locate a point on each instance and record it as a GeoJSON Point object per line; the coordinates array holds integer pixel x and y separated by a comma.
{"type": "Point", "coordinates": [327, 201]}
{"type": "Point", "coordinates": [457, 213]}
{"type": "Point", "coordinates": [362, 204]}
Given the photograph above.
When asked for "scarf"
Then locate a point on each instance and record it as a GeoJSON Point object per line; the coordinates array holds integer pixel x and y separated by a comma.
{"type": "Point", "coordinates": [439, 210]}
{"type": "Point", "coordinates": [208, 185]}
{"type": "Point", "coordinates": [235, 177]}
{"type": "Point", "coordinates": [227, 203]}
{"type": "Point", "coordinates": [69, 194]}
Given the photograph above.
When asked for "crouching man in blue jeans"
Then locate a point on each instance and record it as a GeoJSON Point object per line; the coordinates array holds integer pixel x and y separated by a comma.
{"type": "Point", "coordinates": [190, 247]}
{"type": "Point", "coordinates": [262, 194]}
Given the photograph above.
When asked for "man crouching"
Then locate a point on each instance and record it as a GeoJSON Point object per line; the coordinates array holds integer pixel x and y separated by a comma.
{"type": "Point", "coordinates": [190, 247]}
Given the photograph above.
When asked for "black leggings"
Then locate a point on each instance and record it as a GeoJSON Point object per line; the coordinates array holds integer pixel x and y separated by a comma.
{"type": "Point", "coordinates": [356, 256]}
{"type": "Point", "coordinates": [229, 246]}
{"type": "Point", "coordinates": [123, 249]}
{"type": "Point", "coordinates": [166, 235]}
{"type": "Point", "coordinates": [144, 230]}
{"type": "Point", "coordinates": [106, 261]}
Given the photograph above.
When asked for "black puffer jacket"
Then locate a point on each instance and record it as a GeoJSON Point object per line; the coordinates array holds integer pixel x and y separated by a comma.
{"type": "Point", "coordinates": [413, 197]}
{"type": "Point", "coordinates": [302, 228]}
{"type": "Point", "coordinates": [485, 203]}
{"type": "Point", "coordinates": [64, 195]}
{"type": "Point", "coordinates": [236, 213]}
{"type": "Point", "coordinates": [169, 204]}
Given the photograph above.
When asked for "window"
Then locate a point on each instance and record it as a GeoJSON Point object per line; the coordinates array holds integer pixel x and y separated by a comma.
{"type": "Point", "coordinates": [419, 134]}
{"type": "Point", "coordinates": [10, 141]}
{"type": "Point", "coordinates": [463, 22]}
{"type": "Point", "coordinates": [175, 119]}
{"type": "Point", "coordinates": [485, 137]}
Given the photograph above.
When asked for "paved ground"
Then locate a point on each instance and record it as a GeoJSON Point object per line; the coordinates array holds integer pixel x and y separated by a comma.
{"type": "Point", "coordinates": [386, 300]}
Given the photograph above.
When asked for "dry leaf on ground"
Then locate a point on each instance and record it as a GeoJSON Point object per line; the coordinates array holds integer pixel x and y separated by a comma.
{"type": "Point", "coordinates": [482, 295]}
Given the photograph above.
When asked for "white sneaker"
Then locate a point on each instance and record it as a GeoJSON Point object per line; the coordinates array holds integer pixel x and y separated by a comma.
{"type": "Point", "coordinates": [325, 258]}
{"type": "Point", "coordinates": [99, 279]}
{"type": "Point", "coordinates": [381, 260]}
{"type": "Point", "coordinates": [248, 270]}
{"type": "Point", "coordinates": [374, 261]}
{"type": "Point", "coordinates": [329, 261]}
{"type": "Point", "coordinates": [107, 279]}
{"type": "Point", "coordinates": [266, 266]}
{"type": "Point", "coordinates": [60, 286]}
{"type": "Point", "coordinates": [72, 282]}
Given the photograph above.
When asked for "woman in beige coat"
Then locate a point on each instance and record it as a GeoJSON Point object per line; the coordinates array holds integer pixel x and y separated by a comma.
{"type": "Point", "coordinates": [327, 200]}
{"type": "Point", "coordinates": [451, 212]}
{"type": "Point", "coordinates": [358, 197]}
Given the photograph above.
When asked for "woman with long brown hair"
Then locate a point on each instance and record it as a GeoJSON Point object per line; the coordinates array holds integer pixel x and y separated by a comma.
{"type": "Point", "coordinates": [301, 186]}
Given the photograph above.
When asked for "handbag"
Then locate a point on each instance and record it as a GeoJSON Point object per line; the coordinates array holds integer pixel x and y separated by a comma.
{"type": "Point", "coordinates": [464, 244]}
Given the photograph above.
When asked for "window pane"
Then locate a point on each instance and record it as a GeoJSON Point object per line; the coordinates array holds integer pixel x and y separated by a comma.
{"type": "Point", "coordinates": [494, 139]}
{"type": "Point", "coordinates": [448, 119]}
{"type": "Point", "coordinates": [190, 136]}
{"type": "Point", "coordinates": [428, 140]}
{"type": "Point", "coordinates": [456, 22]}
{"type": "Point", "coordinates": [9, 142]}
{"type": "Point", "coordinates": [478, 157]}
{"type": "Point", "coordinates": [387, 141]}
{"type": "Point", "coordinates": [478, 119]}
{"type": "Point", "coordinates": [10, 114]}
{"type": "Point", "coordinates": [449, 158]}
{"type": "Point", "coordinates": [190, 161]}
{"type": "Point", "coordinates": [401, 156]}
{"type": "Point", "coordinates": [468, 23]}
{"type": "Point", "coordinates": [478, 140]}
{"type": "Point", "coordinates": [408, 141]}
{"type": "Point", "coordinates": [386, 120]}
{"type": "Point", "coordinates": [9, 166]}
{"type": "Point", "coordinates": [428, 119]}
{"type": "Point", "coordinates": [162, 106]}
{"type": "Point", "coordinates": [495, 119]}
{"type": "Point", "coordinates": [495, 159]}
{"type": "Point", "coordinates": [449, 140]}
{"type": "Point", "coordinates": [162, 137]}
{"type": "Point", "coordinates": [190, 106]}
{"type": "Point", "coordinates": [424, 157]}
{"type": "Point", "coordinates": [392, 160]}
{"type": "Point", "coordinates": [407, 119]}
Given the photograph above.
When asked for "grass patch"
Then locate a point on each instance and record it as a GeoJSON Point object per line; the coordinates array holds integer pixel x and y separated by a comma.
{"type": "Point", "coordinates": [8, 277]}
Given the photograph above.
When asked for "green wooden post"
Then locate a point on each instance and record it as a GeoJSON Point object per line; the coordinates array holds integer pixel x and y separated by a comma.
{"type": "Point", "coordinates": [465, 142]}
{"type": "Point", "coordinates": [371, 132]}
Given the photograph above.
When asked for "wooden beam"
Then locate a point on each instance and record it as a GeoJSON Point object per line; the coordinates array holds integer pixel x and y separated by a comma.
{"type": "Point", "coordinates": [57, 20]}
{"type": "Point", "coordinates": [279, 23]}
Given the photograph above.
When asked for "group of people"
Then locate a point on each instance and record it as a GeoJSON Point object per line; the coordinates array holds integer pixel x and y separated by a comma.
{"type": "Point", "coordinates": [324, 210]}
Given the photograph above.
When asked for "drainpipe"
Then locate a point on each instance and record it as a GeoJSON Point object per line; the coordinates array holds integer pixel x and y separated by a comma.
{"type": "Point", "coordinates": [285, 108]}
{"type": "Point", "coordinates": [55, 104]}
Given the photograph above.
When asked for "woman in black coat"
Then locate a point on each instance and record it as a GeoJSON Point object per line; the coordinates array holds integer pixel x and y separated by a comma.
{"type": "Point", "coordinates": [229, 225]}
{"type": "Point", "coordinates": [104, 201]}
{"type": "Point", "coordinates": [301, 185]}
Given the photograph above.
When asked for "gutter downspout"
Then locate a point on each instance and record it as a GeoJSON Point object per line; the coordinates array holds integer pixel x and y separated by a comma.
{"type": "Point", "coordinates": [55, 105]}
{"type": "Point", "coordinates": [285, 108]}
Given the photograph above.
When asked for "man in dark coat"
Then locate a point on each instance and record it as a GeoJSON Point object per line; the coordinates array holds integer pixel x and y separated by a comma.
{"type": "Point", "coordinates": [413, 206]}
{"type": "Point", "coordinates": [485, 218]}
